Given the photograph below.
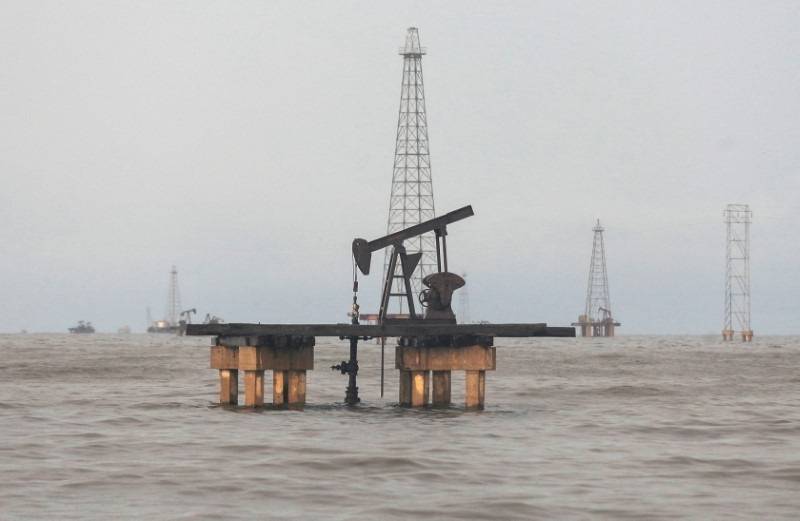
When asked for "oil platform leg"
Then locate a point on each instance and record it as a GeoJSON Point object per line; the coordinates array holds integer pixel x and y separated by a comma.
{"type": "Point", "coordinates": [254, 388]}
{"type": "Point", "coordinates": [476, 388]}
{"type": "Point", "coordinates": [296, 392]}
{"type": "Point", "coordinates": [405, 387]}
{"type": "Point", "coordinates": [288, 358]}
{"type": "Point", "coordinates": [229, 386]}
{"type": "Point", "coordinates": [441, 387]}
{"type": "Point", "coordinates": [279, 390]}
{"type": "Point", "coordinates": [416, 363]}
{"type": "Point", "coordinates": [226, 359]}
{"type": "Point", "coordinates": [419, 388]}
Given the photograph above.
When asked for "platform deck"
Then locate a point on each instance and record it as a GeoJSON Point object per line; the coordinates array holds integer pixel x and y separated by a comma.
{"type": "Point", "coordinates": [375, 331]}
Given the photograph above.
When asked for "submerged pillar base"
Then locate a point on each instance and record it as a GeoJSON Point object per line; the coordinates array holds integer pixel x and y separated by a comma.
{"type": "Point", "coordinates": [254, 388]}
{"type": "Point", "coordinates": [441, 388]}
{"type": "Point", "coordinates": [418, 363]}
{"type": "Point", "coordinates": [226, 359]}
{"type": "Point", "coordinates": [288, 360]}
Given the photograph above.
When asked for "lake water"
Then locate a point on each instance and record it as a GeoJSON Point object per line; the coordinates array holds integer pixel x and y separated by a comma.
{"type": "Point", "coordinates": [127, 427]}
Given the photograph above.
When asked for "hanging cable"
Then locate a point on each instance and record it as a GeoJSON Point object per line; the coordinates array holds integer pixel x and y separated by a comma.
{"type": "Point", "coordinates": [354, 314]}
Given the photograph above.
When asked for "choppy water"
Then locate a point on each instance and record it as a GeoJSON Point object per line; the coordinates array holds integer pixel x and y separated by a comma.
{"type": "Point", "coordinates": [126, 427]}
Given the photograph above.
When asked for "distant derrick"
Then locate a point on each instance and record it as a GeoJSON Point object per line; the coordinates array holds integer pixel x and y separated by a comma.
{"type": "Point", "coordinates": [597, 319]}
{"type": "Point", "coordinates": [173, 307]}
{"type": "Point", "coordinates": [172, 312]}
{"type": "Point", "coordinates": [737, 271]}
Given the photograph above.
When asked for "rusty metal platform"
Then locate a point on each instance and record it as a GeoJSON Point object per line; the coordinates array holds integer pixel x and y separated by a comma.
{"type": "Point", "coordinates": [376, 331]}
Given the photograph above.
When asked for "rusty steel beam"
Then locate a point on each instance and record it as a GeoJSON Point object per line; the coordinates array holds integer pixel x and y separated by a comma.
{"type": "Point", "coordinates": [375, 331]}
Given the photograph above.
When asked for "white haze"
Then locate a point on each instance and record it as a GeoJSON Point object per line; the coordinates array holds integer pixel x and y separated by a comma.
{"type": "Point", "coordinates": [248, 143]}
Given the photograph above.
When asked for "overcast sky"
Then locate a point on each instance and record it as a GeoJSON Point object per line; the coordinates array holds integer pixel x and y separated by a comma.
{"type": "Point", "coordinates": [247, 143]}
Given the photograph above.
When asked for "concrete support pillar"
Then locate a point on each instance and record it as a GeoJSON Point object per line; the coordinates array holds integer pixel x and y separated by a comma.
{"type": "Point", "coordinates": [405, 387]}
{"type": "Point", "coordinates": [296, 388]}
{"type": "Point", "coordinates": [287, 357]}
{"type": "Point", "coordinates": [288, 387]}
{"type": "Point", "coordinates": [747, 335]}
{"type": "Point", "coordinates": [476, 388]}
{"type": "Point", "coordinates": [229, 386]}
{"type": "Point", "coordinates": [419, 388]}
{"type": "Point", "coordinates": [417, 363]}
{"type": "Point", "coordinates": [441, 387]}
{"type": "Point", "coordinates": [254, 388]}
{"type": "Point", "coordinates": [583, 323]}
{"type": "Point", "coordinates": [279, 390]}
{"type": "Point", "coordinates": [226, 359]}
{"type": "Point", "coordinates": [727, 335]}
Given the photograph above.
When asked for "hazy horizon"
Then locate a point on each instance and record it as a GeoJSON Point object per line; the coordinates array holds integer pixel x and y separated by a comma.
{"type": "Point", "coordinates": [248, 143]}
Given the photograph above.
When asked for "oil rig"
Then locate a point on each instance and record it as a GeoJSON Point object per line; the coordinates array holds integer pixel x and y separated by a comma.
{"type": "Point", "coordinates": [411, 199]}
{"type": "Point", "coordinates": [597, 319]}
{"type": "Point", "coordinates": [737, 271]}
{"type": "Point", "coordinates": [172, 312]}
{"type": "Point", "coordinates": [430, 342]}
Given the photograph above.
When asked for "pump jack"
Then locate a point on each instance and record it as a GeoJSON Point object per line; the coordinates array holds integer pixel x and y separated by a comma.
{"type": "Point", "coordinates": [436, 297]}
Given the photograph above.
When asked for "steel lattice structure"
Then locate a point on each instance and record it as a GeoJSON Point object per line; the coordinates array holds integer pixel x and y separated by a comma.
{"type": "Point", "coordinates": [737, 270]}
{"type": "Point", "coordinates": [411, 200]}
{"type": "Point", "coordinates": [173, 307]}
{"type": "Point", "coordinates": [598, 301]}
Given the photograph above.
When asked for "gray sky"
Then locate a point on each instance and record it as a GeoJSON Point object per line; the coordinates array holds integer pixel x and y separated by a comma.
{"type": "Point", "coordinates": [248, 143]}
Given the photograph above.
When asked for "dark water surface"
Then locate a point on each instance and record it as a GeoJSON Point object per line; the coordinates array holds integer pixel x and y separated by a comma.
{"type": "Point", "coordinates": [127, 427]}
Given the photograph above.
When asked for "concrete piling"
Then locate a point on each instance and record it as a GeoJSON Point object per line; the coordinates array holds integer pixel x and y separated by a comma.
{"type": "Point", "coordinates": [425, 372]}
{"type": "Point", "coordinates": [287, 358]}
{"type": "Point", "coordinates": [226, 359]}
{"type": "Point", "coordinates": [426, 356]}
{"type": "Point", "coordinates": [747, 335]}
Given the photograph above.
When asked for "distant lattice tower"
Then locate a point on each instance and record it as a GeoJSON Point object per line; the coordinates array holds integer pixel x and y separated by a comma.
{"type": "Point", "coordinates": [597, 319]}
{"type": "Point", "coordinates": [173, 307]}
{"type": "Point", "coordinates": [737, 271]}
{"type": "Point", "coordinates": [411, 201]}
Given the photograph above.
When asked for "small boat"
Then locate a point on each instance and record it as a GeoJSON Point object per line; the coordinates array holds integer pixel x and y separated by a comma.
{"type": "Point", "coordinates": [82, 328]}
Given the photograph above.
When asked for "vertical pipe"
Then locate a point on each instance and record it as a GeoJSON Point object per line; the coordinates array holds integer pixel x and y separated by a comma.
{"type": "Point", "coordinates": [351, 395]}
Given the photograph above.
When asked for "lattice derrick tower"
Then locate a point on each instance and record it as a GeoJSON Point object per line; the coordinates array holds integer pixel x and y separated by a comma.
{"type": "Point", "coordinates": [173, 307]}
{"type": "Point", "coordinates": [411, 200]}
{"type": "Point", "coordinates": [597, 296]}
{"type": "Point", "coordinates": [737, 271]}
